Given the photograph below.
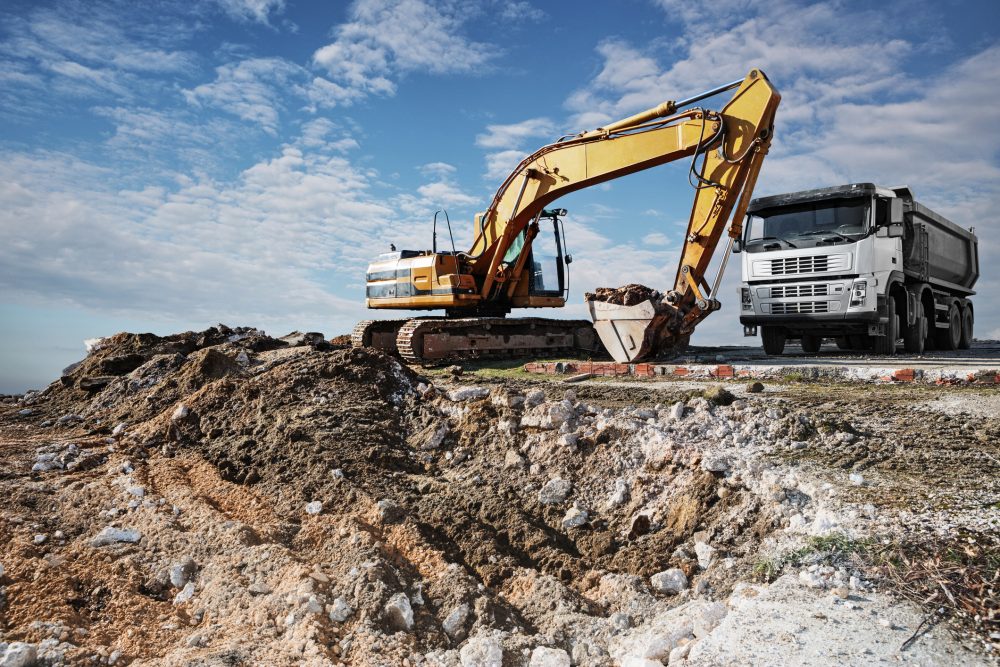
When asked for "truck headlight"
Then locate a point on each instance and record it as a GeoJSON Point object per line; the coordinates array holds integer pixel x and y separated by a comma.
{"type": "Point", "coordinates": [859, 292]}
{"type": "Point", "coordinates": [745, 298]}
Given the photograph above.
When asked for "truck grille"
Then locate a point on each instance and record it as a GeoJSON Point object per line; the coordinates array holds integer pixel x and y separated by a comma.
{"type": "Point", "coordinates": [786, 291]}
{"type": "Point", "coordinates": [789, 265]}
{"type": "Point", "coordinates": [799, 307]}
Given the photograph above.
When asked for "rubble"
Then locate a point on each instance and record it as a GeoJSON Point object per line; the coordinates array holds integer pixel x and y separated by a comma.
{"type": "Point", "coordinates": [286, 504]}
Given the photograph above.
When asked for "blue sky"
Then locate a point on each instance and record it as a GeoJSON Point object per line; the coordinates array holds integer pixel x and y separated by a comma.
{"type": "Point", "coordinates": [169, 165]}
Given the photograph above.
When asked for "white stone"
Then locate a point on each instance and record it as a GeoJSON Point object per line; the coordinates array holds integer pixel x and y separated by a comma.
{"type": "Point", "coordinates": [707, 617]}
{"type": "Point", "coordinates": [468, 394]}
{"type": "Point", "coordinates": [555, 491]}
{"type": "Point", "coordinates": [433, 442]}
{"type": "Point", "coordinates": [341, 611]}
{"type": "Point", "coordinates": [512, 459]}
{"type": "Point", "coordinates": [399, 613]}
{"type": "Point", "coordinates": [856, 479]}
{"type": "Point", "coordinates": [679, 653]}
{"type": "Point", "coordinates": [40, 538]}
{"type": "Point", "coordinates": [180, 412]}
{"type": "Point", "coordinates": [536, 397]}
{"type": "Point", "coordinates": [705, 553]}
{"type": "Point", "coordinates": [633, 661]}
{"type": "Point", "coordinates": [671, 581]}
{"type": "Point", "coordinates": [574, 518]}
{"type": "Point", "coordinates": [136, 491]}
{"type": "Point", "coordinates": [715, 463]}
{"type": "Point", "coordinates": [19, 654]}
{"type": "Point", "coordinates": [543, 656]}
{"type": "Point", "coordinates": [27, 412]}
{"type": "Point", "coordinates": [315, 507]}
{"type": "Point", "coordinates": [111, 535]}
{"type": "Point", "coordinates": [481, 652]}
{"type": "Point", "coordinates": [118, 430]}
{"type": "Point", "coordinates": [454, 622]}
{"type": "Point", "coordinates": [185, 593]}
{"type": "Point", "coordinates": [677, 410]}
{"type": "Point", "coordinates": [182, 571]}
{"type": "Point", "coordinates": [619, 495]}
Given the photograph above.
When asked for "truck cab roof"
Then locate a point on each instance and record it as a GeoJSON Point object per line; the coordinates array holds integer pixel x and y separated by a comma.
{"type": "Point", "coordinates": [837, 192]}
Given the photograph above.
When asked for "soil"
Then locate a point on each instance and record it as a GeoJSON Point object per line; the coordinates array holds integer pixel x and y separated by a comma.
{"type": "Point", "coordinates": [340, 507]}
{"type": "Point", "coordinates": [627, 295]}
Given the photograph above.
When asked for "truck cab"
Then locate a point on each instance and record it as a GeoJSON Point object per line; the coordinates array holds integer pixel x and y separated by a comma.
{"type": "Point", "coordinates": [862, 264]}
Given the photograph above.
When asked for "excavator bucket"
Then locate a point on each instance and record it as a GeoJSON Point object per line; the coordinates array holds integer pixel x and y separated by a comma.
{"type": "Point", "coordinates": [634, 332]}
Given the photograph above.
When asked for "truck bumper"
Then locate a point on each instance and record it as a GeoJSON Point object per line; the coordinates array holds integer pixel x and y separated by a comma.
{"type": "Point", "coordinates": [830, 320]}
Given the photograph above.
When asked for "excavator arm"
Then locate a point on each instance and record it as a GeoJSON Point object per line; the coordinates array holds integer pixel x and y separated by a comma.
{"type": "Point", "coordinates": [726, 150]}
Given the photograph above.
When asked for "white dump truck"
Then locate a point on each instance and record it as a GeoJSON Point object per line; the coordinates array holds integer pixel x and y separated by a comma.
{"type": "Point", "coordinates": [867, 266]}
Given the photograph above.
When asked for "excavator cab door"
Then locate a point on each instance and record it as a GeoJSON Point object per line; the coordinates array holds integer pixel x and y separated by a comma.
{"type": "Point", "coordinates": [546, 264]}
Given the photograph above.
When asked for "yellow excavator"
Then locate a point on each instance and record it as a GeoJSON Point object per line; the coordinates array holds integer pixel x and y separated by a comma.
{"type": "Point", "coordinates": [513, 263]}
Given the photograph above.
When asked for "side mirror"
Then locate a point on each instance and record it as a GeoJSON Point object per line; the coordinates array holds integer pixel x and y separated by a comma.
{"type": "Point", "coordinates": [568, 259]}
{"type": "Point", "coordinates": [895, 227]}
{"type": "Point", "coordinates": [737, 246]}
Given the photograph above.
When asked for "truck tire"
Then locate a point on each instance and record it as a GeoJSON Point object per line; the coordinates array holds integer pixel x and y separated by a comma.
{"type": "Point", "coordinates": [965, 341]}
{"type": "Point", "coordinates": [860, 341]}
{"type": "Point", "coordinates": [886, 345]}
{"type": "Point", "coordinates": [811, 344]}
{"type": "Point", "coordinates": [915, 335]}
{"type": "Point", "coordinates": [949, 337]}
{"type": "Point", "coordinates": [843, 342]}
{"type": "Point", "coordinates": [773, 339]}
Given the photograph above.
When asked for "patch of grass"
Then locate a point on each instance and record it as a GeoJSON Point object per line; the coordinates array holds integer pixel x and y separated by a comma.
{"type": "Point", "coordinates": [835, 549]}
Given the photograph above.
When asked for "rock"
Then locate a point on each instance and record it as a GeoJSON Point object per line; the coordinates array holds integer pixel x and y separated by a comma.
{"type": "Point", "coordinates": [677, 411]}
{"type": "Point", "coordinates": [136, 491]}
{"type": "Point", "coordinates": [574, 518]}
{"type": "Point", "coordinates": [555, 491]}
{"type": "Point", "coordinates": [388, 511]}
{"type": "Point", "coordinates": [19, 654]}
{"type": "Point", "coordinates": [713, 463]}
{"type": "Point", "coordinates": [298, 339]}
{"type": "Point", "coordinates": [315, 507]}
{"type": "Point", "coordinates": [185, 593]}
{"type": "Point", "coordinates": [66, 419]}
{"type": "Point", "coordinates": [755, 388]}
{"type": "Point", "coordinates": [40, 538]}
{"type": "Point", "coordinates": [513, 460]}
{"type": "Point", "coordinates": [399, 613]}
{"type": "Point", "coordinates": [111, 535]}
{"type": "Point", "coordinates": [27, 412]}
{"type": "Point", "coordinates": [95, 383]}
{"type": "Point", "coordinates": [341, 611]}
{"type": "Point", "coordinates": [707, 617]}
{"type": "Point", "coordinates": [718, 395]}
{"type": "Point", "coordinates": [543, 656]}
{"type": "Point", "coordinates": [182, 572]}
{"type": "Point", "coordinates": [118, 430]}
{"type": "Point", "coordinates": [619, 495]}
{"type": "Point", "coordinates": [1, 570]}
{"type": "Point", "coordinates": [454, 622]}
{"type": "Point", "coordinates": [533, 398]}
{"type": "Point", "coordinates": [856, 479]}
{"type": "Point", "coordinates": [468, 394]}
{"type": "Point", "coordinates": [259, 588]}
{"type": "Point", "coordinates": [671, 581]}
{"type": "Point", "coordinates": [679, 653]}
{"type": "Point", "coordinates": [481, 652]}
{"type": "Point", "coordinates": [455, 371]}
{"type": "Point", "coordinates": [180, 412]}
{"type": "Point", "coordinates": [705, 553]}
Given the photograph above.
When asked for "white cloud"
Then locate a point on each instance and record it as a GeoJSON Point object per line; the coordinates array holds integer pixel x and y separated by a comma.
{"type": "Point", "coordinates": [258, 11]}
{"type": "Point", "coordinates": [385, 38]}
{"type": "Point", "coordinates": [521, 11]}
{"type": "Point", "coordinates": [446, 193]}
{"type": "Point", "coordinates": [656, 239]}
{"type": "Point", "coordinates": [498, 165]}
{"type": "Point", "coordinates": [439, 169]}
{"type": "Point", "coordinates": [514, 134]}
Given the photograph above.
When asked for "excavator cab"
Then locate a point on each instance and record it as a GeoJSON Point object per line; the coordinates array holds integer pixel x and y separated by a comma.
{"type": "Point", "coordinates": [549, 274]}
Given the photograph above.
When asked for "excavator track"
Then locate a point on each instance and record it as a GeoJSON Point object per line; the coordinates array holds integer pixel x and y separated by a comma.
{"type": "Point", "coordinates": [436, 340]}
{"type": "Point", "coordinates": [378, 334]}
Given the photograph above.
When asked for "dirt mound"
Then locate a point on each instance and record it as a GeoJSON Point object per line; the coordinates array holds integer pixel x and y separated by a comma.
{"type": "Point", "coordinates": [627, 295]}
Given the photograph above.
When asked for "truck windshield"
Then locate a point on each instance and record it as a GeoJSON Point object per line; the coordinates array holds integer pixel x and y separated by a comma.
{"type": "Point", "coordinates": [842, 220]}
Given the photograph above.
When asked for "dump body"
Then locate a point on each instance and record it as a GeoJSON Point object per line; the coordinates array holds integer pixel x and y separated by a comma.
{"type": "Point", "coordinates": [866, 265]}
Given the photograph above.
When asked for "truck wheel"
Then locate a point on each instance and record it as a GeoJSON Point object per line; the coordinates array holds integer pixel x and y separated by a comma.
{"type": "Point", "coordinates": [811, 344]}
{"type": "Point", "coordinates": [887, 344]}
{"type": "Point", "coordinates": [965, 342]}
{"type": "Point", "coordinates": [843, 342]}
{"type": "Point", "coordinates": [949, 338]}
{"type": "Point", "coordinates": [773, 339]}
{"type": "Point", "coordinates": [915, 334]}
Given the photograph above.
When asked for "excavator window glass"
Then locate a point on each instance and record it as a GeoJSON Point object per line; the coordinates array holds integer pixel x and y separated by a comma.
{"type": "Point", "coordinates": [545, 264]}
{"type": "Point", "coordinates": [809, 224]}
{"type": "Point", "coordinates": [514, 250]}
